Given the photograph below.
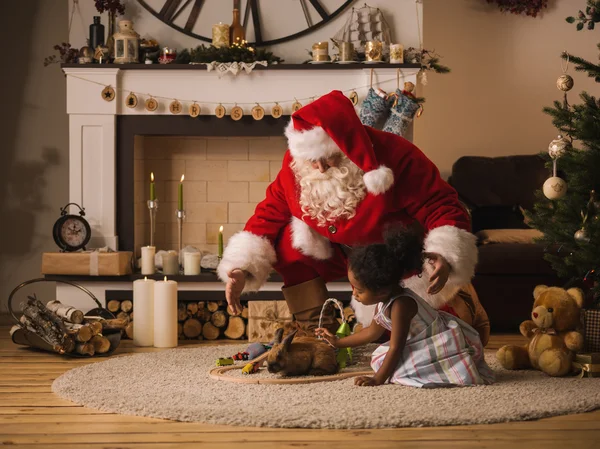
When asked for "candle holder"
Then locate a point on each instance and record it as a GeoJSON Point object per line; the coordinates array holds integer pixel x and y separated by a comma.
{"type": "Point", "coordinates": [180, 218]}
{"type": "Point", "coordinates": [152, 208]}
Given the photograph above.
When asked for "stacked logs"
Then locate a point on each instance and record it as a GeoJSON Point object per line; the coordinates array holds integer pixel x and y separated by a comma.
{"type": "Point", "coordinates": [123, 310]}
{"type": "Point", "coordinates": [210, 320]}
{"type": "Point", "coordinates": [65, 328]}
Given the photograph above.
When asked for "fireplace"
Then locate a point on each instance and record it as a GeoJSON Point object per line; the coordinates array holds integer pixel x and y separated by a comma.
{"type": "Point", "coordinates": [114, 147]}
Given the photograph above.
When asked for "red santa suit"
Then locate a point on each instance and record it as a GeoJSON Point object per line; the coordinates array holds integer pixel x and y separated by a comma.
{"type": "Point", "coordinates": [402, 185]}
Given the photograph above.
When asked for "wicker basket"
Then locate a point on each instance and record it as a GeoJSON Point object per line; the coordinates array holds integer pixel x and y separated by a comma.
{"type": "Point", "coordinates": [25, 337]}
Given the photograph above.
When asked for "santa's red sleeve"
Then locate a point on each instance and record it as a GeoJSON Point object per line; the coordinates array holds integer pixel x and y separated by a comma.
{"type": "Point", "coordinates": [253, 249]}
{"type": "Point", "coordinates": [424, 195]}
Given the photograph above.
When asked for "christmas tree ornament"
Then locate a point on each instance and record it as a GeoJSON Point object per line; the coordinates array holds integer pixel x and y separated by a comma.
{"type": "Point", "coordinates": [353, 97]}
{"type": "Point", "coordinates": [582, 236]}
{"type": "Point", "coordinates": [558, 147]}
{"type": "Point", "coordinates": [194, 110]}
{"type": "Point", "coordinates": [237, 113]}
{"type": "Point", "coordinates": [554, 188]}
{"type": "Point", "coordinates": [175, 107]}
{"type": "Point", "coordinates": [565, 82]}
{"type": "Point", "coordinates": [276, 111]}
{"type": "Point", "coordinates": [220, 111]}
{"type": "Point", "coordinates": [296, 106]}
{"type": "Point", "coordinates": [258, 112]}
{"type": "Point", "coordinates": [131, 101]}
{"type": "Point", "coordinates": [108, 93]}
{"type": "Point", "coordinates": [151, 104]}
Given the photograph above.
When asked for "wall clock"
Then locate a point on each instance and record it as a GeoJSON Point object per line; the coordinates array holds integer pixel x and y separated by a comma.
{"type": "Point", "coordinates": [267, 22]}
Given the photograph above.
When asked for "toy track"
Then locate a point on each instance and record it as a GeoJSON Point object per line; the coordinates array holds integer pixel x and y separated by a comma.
{"type": "Point", "coordinates": [219, 374]}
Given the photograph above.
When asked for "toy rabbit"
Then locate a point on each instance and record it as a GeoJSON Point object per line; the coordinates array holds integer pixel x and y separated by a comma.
{"type": "Point", "coordinates": [300, 357]}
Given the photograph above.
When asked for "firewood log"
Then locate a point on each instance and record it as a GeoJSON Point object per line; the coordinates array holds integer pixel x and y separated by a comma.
{"type": "Point", "coordinates": [212, 306]}
{"type": "Point", "coordinates": [129, 330]}
{"type": "Point", "coordinates": [231, 313]}
{"type": "Point", "coordinates": [113, 306]}
{"type": "Point", "coordinates": [219, 319]}
{"type": "Point", "coordinates": [236, 328]}
{"type": "Point", "coordinates": [179, 329]}
{"type": "Point", "coordinates": [127, 305]}
{"type": "Point", "coordinates": [66, 312]}
{"type": "Point", "coordinates": [245, 313]}
{"type": "Point", "coordinates": [101, 344]}
{"type": "Point", "coordinates": [192, 309]}
{"type": "Point", "coordinates": [201, 305]}
{"type": "Point", "coordinates": [210, 332]}
{"type": "Point", "coordinates": [96, 327]}
{"type": "Point", "coordinates": [131, 316]}
{"type": "Point", "coordinates": [123, 316]}
{"type": "Point", "coordinates": [80, 332]}
{"type": "Point", "coordinates": [85, 349]}
{"type": "Point", "coordinates": [114, 324]}
{"type": "Point", "coordinates": [181, 312]}
{"type": "Point", "coordinates": [221, 303]}
{"type": "Point", "coordinates": [192, 328]}
{"type": "Point", "coordinates": [206, 315]}
{"type": "Point", "coordinates": [47, 325]}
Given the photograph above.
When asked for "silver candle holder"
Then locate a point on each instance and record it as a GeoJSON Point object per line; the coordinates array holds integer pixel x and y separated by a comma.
{"type": "Point", "coordinates": [152, 208]}
{"type": "Point", "coordinates": [180, 218]}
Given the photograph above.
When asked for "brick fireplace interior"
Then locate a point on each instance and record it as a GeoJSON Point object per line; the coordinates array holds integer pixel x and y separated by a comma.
{"type": "Point", "coordinates": [227, 166]}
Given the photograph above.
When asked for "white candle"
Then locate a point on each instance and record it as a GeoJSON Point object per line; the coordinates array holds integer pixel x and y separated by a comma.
{"type": "Point", "coordinates": [170, 263]}
{"type": "Point", "coordinates": [165, 314]}
{"type": "Point", "coordinates": [143, 304]}
{"type": "Point", "coordinates": [191, 264]}
{"type": "Point", "coordinates": [148, 253]}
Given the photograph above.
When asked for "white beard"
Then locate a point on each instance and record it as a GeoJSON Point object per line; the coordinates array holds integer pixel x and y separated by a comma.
{"type": "Point", "coordinates": [327, 197]}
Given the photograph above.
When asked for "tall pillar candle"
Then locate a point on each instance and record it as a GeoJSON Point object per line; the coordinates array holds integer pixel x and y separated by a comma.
{"type": "Point", "coordinates": [148, 265]}
{"type": "Point", "coordinates": [165, 314]}
{"type": "Point", "coordinates": [143, 304]}
{"type": "Point", "coordinates": [180, 194]}
{"type": "Point", "coordinates": [191, 264]}
{"type": "Point", "coordinates": [220, 242]}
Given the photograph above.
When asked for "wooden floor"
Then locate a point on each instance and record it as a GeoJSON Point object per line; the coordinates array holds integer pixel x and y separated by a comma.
{"type": "Point", "coordinates": [32, 416]}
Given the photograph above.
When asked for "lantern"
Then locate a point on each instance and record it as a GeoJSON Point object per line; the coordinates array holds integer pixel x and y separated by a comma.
{"type": "Point", "coordinates": [127, 43]}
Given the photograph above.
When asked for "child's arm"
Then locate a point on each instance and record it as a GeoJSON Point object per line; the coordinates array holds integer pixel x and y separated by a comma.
{"type": "Point", "coordinates": [369, 334]}
{"type": "Point", "coordinates": [402, 313]}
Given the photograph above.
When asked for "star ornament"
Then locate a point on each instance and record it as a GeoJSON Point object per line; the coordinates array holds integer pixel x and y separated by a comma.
{"type": "Point", "coordinates": [108, 93]}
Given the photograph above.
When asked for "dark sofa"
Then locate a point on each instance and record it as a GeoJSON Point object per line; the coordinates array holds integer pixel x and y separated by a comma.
{"type": "Point", "coordinates": [495, 189]}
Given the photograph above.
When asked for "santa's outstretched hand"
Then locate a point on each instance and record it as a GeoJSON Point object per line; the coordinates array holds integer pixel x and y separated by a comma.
{"type": "Point", "coordinates": [233, 289]}
{"type": "Point", "coordinates": [440, 274]}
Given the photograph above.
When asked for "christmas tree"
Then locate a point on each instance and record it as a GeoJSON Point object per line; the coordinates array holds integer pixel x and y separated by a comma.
{"type": "Point", "coordinates": [567, 211]}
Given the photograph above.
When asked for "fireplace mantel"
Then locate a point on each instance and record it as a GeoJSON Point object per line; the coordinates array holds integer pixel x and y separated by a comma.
{"type": "Point", "coordinates": [93, 120]}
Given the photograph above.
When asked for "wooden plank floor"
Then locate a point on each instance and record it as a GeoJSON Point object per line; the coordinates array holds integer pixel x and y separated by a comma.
{"type": "Point", "coordinates": [32, 416]}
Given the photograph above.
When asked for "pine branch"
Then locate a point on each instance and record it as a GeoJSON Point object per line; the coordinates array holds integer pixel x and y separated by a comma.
{"type": "Point", "coordinates": [582, 65]}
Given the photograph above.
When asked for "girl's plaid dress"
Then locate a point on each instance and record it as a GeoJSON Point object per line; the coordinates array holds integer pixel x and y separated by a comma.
{"type": "Point", "coordinates": [440, 350]}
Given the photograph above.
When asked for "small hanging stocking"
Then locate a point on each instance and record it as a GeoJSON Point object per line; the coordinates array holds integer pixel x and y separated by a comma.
{"type": "Point", "coordinates": [375, 106]}
{"type": "Point", "coordinates": [401, 114]}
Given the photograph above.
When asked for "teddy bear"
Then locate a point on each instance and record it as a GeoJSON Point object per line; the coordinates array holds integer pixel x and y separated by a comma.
{"type": "Point", "coordinates": [552, 332]}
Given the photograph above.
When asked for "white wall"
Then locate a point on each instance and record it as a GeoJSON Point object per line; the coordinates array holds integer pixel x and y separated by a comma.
{"type": "Point", "coordinates": [400, 14]}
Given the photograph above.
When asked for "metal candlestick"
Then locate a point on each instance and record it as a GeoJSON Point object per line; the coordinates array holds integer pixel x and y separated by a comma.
{"type": "Point", "coordinates": [153, 208]}
{"type": "Point", "coordinates": [180, 218]}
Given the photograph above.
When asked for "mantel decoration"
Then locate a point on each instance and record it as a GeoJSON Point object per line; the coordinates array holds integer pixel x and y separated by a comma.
{"type": "Point", "coordinates": [528, 7]}
{"type": "Point", "coordinates": [231, 59]}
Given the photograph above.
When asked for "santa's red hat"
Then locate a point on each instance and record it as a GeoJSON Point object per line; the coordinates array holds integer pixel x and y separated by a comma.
{"type": "Point", "coordinates": [330, 125]}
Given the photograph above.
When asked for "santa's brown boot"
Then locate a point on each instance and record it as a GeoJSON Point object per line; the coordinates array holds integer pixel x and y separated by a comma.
{"type": "Point", "coordinates": [468, 308]}
{"type": "Point", "coordinates": [305, 301]}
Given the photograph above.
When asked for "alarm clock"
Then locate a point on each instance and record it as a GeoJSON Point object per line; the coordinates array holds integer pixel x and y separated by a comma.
{"type": "Point", "coordinates": [71, 232]}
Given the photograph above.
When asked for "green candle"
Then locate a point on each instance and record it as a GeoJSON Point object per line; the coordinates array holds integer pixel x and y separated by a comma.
{"type": "Point", "coordinates": [221, 241]}
{"type": "Point", "coordinates": [180, 198]}
{"type": "Point", "coordinates": [152, 188]}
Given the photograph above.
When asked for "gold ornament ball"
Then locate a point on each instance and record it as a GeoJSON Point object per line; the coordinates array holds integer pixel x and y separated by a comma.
{"type": "Point", "coordinates": [558, 147]}
{"type": "Point", "coordinates": [564, 83]}
{"type": "Point", "coordinates": [554, 188]}
{"type": "Point", "coordinates": [582, 236]}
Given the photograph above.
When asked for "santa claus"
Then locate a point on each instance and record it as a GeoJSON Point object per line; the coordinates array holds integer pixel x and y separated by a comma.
{"type": "Point", "coordinates": [341, 184]}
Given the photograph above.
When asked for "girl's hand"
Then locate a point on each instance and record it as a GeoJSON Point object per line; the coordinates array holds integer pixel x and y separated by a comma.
{"type": "Point", "coordinates": [327, 336]}
{"type": "Point", "coordinates": [365, 381]}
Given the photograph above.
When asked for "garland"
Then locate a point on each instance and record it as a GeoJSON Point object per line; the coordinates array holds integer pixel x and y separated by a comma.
{"type": "Point", "coordinates": [236, 53]}
{"type": "Point", "coordinates": [429, 60]}
{"type": "Point", "coordinates": [528, 7]}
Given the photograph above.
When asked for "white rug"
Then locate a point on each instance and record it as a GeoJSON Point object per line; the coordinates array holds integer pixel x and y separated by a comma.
{"type": "Point", "coordinates": [174, 384]}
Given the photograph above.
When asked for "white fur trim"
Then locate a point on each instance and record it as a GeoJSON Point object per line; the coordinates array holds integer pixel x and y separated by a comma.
{"type": "Point", "coordinates": [364, 314]}
{"type": "Point", "coordinates": [312, 144]}
{"type": "Point", "coordinates": [309, 242]}
{"type": "Point", "coordinates": [459, 248]}
{"type": "Point", "coordinates": [248, 252]}
{"type": "Point", "coordinates": [379, 180]}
